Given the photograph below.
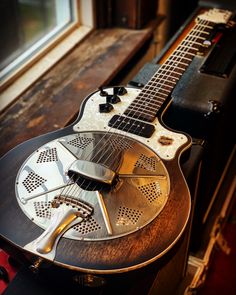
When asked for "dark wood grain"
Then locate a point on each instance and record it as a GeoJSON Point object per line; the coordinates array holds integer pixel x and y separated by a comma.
{"type": "Point", "coordinates": [122, 254]}
{"type": "Point", "coordinates": [53, 103]}
{"type": "Point", "coordinates": [54, 100]}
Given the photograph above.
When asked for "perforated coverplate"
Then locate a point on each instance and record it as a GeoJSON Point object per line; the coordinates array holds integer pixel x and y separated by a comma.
{"type": "Point", "coordinates": [136, 197]}
{"type": "Point", "coordinates": [147, 163]}
{"type": "Point", "coordinates": [80, 141]}
{"type": "Point", "coordinates": [151, 191]}
{"type": "Point", "coordinates": [32, 181]}
{"type": "Point", "coordinates": [49, 155]}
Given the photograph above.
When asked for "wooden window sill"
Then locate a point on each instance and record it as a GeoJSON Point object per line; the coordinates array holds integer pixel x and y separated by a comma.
{"type": "Point", "coordinates": [54, 100]}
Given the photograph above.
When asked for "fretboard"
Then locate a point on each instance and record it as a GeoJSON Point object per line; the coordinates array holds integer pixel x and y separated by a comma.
{"type": "Point", "coordinates": [153, 95]}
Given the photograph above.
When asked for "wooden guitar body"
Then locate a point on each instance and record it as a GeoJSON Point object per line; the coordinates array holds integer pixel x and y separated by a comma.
{"type": "Point", "coordinates": [106, 194]}
{"type": "Point", "coordinates": [101, 256]}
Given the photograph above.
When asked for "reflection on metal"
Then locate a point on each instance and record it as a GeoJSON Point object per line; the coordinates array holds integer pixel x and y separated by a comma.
{"type": "Point", "coordinates": [92, 171]}
{"type": "Point", "coordinates": [136, 187]}
{"type": "Point", "coordinates": [104, 213]}
{"type": "Point", "coordinates": [62, 219]}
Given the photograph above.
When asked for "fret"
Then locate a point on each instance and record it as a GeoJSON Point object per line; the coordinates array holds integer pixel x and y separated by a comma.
{"type": "Point", "coordinates": [186, 46]}
{"type": "Point", "coordinates": [173, 73]}
{"type": "Point", "coordinates": [159, 91]}
{"type": "Point", "coordinates": [202, 33]}
{"type": "Point", "coordinates": [161, 82]}
{"type": "Point", "coordinates": [174, 62]}
{"type": "Point", "coordinates": [156, 95]}
{"type": "Point", "coordinates": [198, 37]}
{"type": "Point", "coordinates": [177, 61]}
{"type": "Point", "coordinates": [208, 27]}
{"type": "Point", "coordinates": [178, 51]}
{"type": "Point", "coordinates": [141, 103]}
{"type": "Point", "coordinates": [177, 58]}
{"type": "Point", "coordinates": [200, 30]}
{"type": "Point", "coordinates": [156, 91]}
{"type": "Point", "coordinates": [132, 110]}
{"type": "Point", "coordinates": [207, 33]}
{"type": "Point", "coordinates": [183, 52]}
{"type": "Point", "coordinates": [197, 33]}
{"type": "Point", "coordinates": [190, 41]}
{"type": "Point", "coordinates": [166, 74]}
{"type": "Point", "coordinates": [139, 110]}
{"type": "Point", "coordinates": [162, 79]}
{"type": "Point", "coordinates": [175, 68]}
{"type": "Point", "coordinates": [182, 57]}
{"type": "Point", "coordinates": [159, 85]}
{"type": "Point", "coordinates": [150, 108]}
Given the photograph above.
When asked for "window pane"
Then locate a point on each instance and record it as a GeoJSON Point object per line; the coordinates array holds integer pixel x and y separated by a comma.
{"type": "Point", "coordinates": [27, 25]}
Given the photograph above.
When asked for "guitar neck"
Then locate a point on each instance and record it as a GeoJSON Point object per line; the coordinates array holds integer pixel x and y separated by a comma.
{"type": "Point", "coordinates": [156, 91]}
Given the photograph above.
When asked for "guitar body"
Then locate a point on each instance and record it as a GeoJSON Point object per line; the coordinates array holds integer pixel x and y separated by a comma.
{"type": "Point", "coordinates": [106, 254]}
{"type": "Point", "coordinates": [105, 195]}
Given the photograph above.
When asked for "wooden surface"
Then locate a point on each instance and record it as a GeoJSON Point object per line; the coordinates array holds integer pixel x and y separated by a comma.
{"type": "Point", "coordinates": [117, 255]}
{"type": "Point", "coordinates": [53, 101]}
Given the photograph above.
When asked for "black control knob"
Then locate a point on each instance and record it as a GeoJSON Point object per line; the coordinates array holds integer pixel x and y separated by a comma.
{"type": "Point", "coordinates": [112, 98]}
{"type": "Point", "coordinates": [105, 108]}
{"type": "Point", "coordinates": [102, 92]}
{"type": "Point", "coordinates": [120, 90]}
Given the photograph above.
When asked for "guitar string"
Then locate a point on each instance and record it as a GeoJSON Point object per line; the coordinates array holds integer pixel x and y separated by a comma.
{"type": "Point", "coordinates": [168, 65]}
{"type": "Point", "coordinates": [163, 84]}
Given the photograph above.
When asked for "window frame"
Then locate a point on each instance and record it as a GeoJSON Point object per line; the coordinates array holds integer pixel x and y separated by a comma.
{"type": "Point", "coordinates": [31, 70]}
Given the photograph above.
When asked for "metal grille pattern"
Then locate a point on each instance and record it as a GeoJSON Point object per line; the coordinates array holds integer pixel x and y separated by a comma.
{"type": "Point", "coordinates": [49, 155]}
{"type": "Point", "coordinates": [131, 203]}
{"type": "Point", "coordinates": [87, 226]}
{"type": "Point", "coordinates": [146, 163]}
{"type": "Point", "coordinates": [80, 142]}
{"type": "Point", "coordinates": [127, 216]}
{"type": "Point", "coordinates": [32, 181]}
{"type": "Point", "coordinates": [43, 209]}
{"type": "Point", "coordinates": [151, 191]}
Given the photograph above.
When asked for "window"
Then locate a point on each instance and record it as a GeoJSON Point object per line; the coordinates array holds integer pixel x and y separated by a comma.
{"type": "Point", "coordinates": [28, 25]}
{"type": "Point", "coordinates": [32, 28]}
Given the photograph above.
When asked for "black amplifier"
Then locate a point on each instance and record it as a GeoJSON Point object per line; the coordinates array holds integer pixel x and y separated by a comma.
{"type": "Point", "coordinates": [203, 105]}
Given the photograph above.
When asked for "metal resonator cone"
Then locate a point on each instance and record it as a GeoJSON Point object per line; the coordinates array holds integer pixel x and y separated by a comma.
{"type": "Point", "coordinates": [123, 180]}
